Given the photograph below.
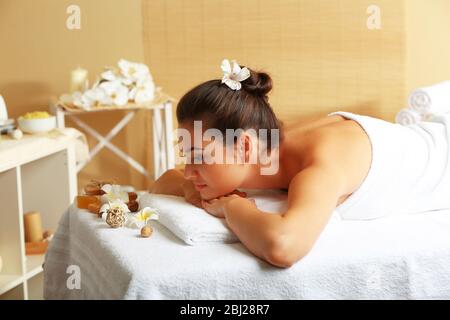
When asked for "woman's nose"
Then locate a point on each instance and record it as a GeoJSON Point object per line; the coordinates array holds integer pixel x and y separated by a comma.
{"type": "Point", "coordinates": [189, 173]}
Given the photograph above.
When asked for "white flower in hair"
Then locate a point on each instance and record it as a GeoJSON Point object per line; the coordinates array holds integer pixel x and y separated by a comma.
{"type": "Point", "coordinates": [233, 74]}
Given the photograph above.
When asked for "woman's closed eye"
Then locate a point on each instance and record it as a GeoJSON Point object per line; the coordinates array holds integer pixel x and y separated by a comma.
{"type": "Point", "coordinates": [195, 156]}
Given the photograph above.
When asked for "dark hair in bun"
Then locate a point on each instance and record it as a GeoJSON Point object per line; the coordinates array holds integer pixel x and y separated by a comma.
{"type": "Point", "coordinates": [223, 108]}
{"type": "Point", "coordinates": [259, 83]}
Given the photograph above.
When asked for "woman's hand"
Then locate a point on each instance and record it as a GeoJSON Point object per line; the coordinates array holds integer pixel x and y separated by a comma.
{"type": "Point", "coordinates": [216, 207]}
{"type": "Point", "coordinates": [192, 195]}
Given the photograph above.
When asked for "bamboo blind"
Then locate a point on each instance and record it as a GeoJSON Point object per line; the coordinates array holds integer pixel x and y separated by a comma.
{"type": "Point", "coordinates": [320, 53]}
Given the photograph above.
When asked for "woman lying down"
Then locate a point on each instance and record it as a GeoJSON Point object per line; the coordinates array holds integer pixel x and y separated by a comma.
{"type": "Point", "coordinates": [363, 167]}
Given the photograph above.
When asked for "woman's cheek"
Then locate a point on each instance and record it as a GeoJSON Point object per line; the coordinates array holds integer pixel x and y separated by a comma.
{"type": "Point", "coordinates": [220, 180]}
{"type": "Point", "coordinates": [215, 189]}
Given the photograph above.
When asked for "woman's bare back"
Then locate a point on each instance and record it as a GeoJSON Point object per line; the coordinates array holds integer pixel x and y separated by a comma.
{"type": "Point", "coordinates": [333, 138]}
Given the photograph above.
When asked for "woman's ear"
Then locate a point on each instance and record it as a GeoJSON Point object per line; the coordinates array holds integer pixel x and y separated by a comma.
{"type": "Point", "coordinates": [245, 147]}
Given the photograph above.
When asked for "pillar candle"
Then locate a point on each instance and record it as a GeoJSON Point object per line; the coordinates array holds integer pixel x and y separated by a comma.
{"type": "Point", "coordinates": [33, 226]}
{"type": "Point", "coordinates": [78, 80]}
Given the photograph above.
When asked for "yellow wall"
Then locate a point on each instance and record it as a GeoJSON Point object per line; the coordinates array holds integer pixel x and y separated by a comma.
{"type": "Point", "coordinates": [428, 42]}
{"type": "Point", "coordinates": [183, 42]}
{"type": "Point", "coordinates": [37, 53]}
{"type": "Point", "coordinates": [320, 53]}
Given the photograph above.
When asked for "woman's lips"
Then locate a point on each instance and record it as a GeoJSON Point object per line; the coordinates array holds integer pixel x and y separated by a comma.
{"type": "Point", "coordinates": [199, 187]}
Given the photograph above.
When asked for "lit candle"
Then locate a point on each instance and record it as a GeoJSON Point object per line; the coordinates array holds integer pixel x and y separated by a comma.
{"type": "Point", "coordinates": [78, 80]}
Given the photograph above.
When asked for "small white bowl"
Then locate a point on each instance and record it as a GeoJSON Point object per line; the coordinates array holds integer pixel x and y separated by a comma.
{"type": "Point", "coordinates": [37, 125]}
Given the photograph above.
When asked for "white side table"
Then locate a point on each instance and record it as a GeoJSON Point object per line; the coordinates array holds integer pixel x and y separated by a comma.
{"type": "Point", "coordinates": [162, 131]}
{"type": "Point", "coordinates": [37, 173]}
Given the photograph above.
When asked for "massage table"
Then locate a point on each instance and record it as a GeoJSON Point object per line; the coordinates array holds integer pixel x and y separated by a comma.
{"type": "Point", "coordinates": [398, 257]}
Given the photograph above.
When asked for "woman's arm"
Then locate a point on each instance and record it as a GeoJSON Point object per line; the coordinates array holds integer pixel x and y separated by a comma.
{"type": "Point", "coordinates": [284, 239]}
{"type": "Point", "coordinates": [170, 182]}
{"type": "Point", "coordinates": [255, 229]}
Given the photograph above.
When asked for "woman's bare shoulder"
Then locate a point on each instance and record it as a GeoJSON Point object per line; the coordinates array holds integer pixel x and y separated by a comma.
{"type": "Point", "coordinates": [346, 147]}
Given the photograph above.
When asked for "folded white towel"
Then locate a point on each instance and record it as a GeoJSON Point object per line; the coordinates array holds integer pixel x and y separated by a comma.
{"type": "Point", "coordinates": [408, 116]}
{"type": "Point", "coordinates": [191, 224]}
{"type": "Point", "coordinates": [433, 99]}
{"type": "Point", "coordinates": [195, 226]}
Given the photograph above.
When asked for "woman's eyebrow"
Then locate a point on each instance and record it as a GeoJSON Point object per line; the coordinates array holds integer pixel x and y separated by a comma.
{"type": "Point", "coordinates": [191, 149]}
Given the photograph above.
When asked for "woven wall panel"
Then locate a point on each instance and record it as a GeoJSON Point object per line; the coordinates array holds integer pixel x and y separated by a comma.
{"type": "Point", "coordinates": [320, 53]}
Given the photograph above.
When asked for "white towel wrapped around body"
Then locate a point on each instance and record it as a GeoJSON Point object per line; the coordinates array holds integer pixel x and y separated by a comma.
{"type": "Point", "coordinates": [434, 99]}
{"type": "Point", "coordinates": [410, 169]}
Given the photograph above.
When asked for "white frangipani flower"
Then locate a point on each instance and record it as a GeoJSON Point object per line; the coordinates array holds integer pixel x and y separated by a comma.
{"type": "Point", "coordinates": [96, 82]}
{"type": "Point", "coordinates": [112, 74]}
{"type": "Point", "coordinates": [126, 81]}
{"type": "Point", "coordinates": [144, 79]}
{"type": "Point", "coordinates": [141, 218]}
{"type": "Point", "coordinates": [82, 101]}
{"type": "Point", "coordinates": [97, 95]}
{"type": "Point", "coordinates": [233, 74]}
{"type": "Point", "coordinates": [143, 92]}
{"type": "Point", "coordinates": [109, 75]}
{"type": "Point", "coordinates": [114, 192]}
{"type": "Point", "coordinates": [116, 86]}
{"type": "Point", "coordinates": [116, 93]}
{"type": "Point", "coordinates": [133, 70]}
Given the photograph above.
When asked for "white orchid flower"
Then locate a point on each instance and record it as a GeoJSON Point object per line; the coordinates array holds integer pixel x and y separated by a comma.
{"type": "Point", "coordinates": [141, 218]}
{"type": "Point", "coordinates": [233, 74]}
{"type": "Point", "coordinates": [126, 81]}
{"type": "Point", "coordinates": [109, 75]}
{"type": "Point", "coordinates": [143, 92]}
{"type": "Point", "coordinates": [133, 70]}
{"type": "Point", "coordinates": [96, 95]}
{"type": "Point", "coordinates": [96, 82]}
{"type": "Point", "coordinates": [112, 74]}
{"type": "Point", "coordinates": [144, 79]}
{"type": "Point", "coordinates": [113, 193]}
{"type": "Point", "coordinates": [116, 93]}
{"type": "Point", "coordinates": [104, 209]}
{"type": "Point", "coordinates": [82, 101]}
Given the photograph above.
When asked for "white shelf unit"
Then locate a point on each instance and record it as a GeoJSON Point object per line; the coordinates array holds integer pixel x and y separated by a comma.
{"type": "Point", "coordinates": [38, 174]}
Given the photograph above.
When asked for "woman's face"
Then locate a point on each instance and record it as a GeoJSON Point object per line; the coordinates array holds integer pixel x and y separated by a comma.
{"type": "Point", "coordinates": [211, 179]}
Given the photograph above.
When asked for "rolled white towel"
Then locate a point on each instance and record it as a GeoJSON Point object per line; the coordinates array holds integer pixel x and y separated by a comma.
{"type": "Point", "coordinates": [408, 116]}
{"type": "Point", "coordinates": [433, 99]}
{"type": "Point", "coordinates": [428, 116]}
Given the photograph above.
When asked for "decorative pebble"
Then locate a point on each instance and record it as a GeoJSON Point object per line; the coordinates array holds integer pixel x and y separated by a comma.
{"type": "Point", "coordinates": [146, 231]}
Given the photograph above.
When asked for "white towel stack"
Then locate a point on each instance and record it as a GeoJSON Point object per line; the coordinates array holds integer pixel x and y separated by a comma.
{"type": "Point", "coordinates": [408, 116]}
{"type": "Point", "coordinates": [426, 103]}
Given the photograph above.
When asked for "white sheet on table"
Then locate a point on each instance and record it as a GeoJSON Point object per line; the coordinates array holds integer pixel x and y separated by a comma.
{"type": "Point", "coordinates": [395, 257]}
